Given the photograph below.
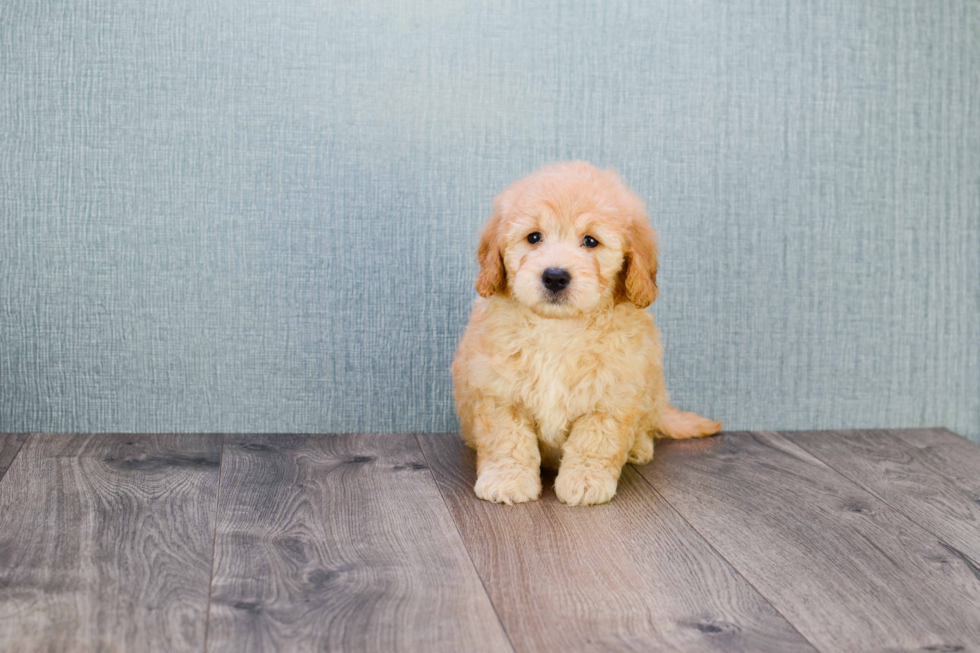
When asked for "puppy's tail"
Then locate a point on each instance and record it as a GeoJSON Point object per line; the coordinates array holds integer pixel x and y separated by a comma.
{"type": "Point", "coordinates": [679, 425]}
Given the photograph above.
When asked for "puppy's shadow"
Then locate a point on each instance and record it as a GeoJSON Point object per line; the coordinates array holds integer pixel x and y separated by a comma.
{"type": "Point", "coordinates": [548, 476]}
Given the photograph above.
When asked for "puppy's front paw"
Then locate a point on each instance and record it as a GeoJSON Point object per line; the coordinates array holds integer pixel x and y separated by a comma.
{"type": "Point", "coordinates": [583, 486]}
{"type": "Point", "coordinates": [510, 485]}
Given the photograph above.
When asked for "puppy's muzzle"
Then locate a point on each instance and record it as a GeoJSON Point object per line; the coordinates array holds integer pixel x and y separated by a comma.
{"type": "Point", "coordinates": [555, 280]}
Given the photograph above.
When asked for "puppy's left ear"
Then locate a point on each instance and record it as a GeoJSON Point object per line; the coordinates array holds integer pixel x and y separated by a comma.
{"type": "Point", "coordinates": [493, 274]}
{"type": "Point", "coordinates": [640, 266]}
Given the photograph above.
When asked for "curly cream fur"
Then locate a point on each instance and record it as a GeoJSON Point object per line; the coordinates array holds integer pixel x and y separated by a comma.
{"type": "Point", "coordinates": [574, 382]}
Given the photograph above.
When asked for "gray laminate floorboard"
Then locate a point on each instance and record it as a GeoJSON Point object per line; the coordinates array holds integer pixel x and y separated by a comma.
{"type": "Point", "coordinates": [849, 571]}
{"type": "Point", "coordinates": [849, 541]}
{"type": "Point", "coordinates": [630, 575]}
{"type": "Point", "coordinates": [946, 453]}
{"type": "Point", "coordinates": [106, 541]}
{"type": "Point", "coordinates": [936, 484]}
{"type": "Point", "coordinates": [10, 444]}
{"type": "Point", "coordinates": [341, 543]}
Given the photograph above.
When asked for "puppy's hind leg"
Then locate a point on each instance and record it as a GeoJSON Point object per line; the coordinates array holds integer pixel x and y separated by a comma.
{"type": "Point", "coordinates": [642, 451]}
{"type": "Point", "coordinates": [679, 425]}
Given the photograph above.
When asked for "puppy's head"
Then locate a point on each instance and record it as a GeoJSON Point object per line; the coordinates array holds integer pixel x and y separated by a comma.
{"type": "Point", "coordinates": [566, 240]}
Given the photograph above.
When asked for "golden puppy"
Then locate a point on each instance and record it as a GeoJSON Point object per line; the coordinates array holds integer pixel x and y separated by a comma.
{"type": "Point", "coordinates": [560, 365]}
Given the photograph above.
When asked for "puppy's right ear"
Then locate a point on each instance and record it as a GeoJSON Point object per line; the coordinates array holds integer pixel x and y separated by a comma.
{"type": "Point", "coordinates": [493, 275]}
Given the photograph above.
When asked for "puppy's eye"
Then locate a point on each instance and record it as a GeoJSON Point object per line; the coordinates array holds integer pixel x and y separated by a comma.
{"type": "Point", "coordinates": [534, 237]}
{"type": "Point", "coordinates": [590, 242]}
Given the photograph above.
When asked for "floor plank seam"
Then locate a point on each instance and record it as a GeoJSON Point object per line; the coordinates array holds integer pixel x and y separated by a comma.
{"type": "Point", "coordinates": [214, 543]}
{"type": "Point", "coordinates": [974, 564]}
{"type": "Point", "coordinates": [13, 459]}
{"type": "Point", "coordinates": [727, 561]}
{"type": "Point", "coordinates": [463, 541]}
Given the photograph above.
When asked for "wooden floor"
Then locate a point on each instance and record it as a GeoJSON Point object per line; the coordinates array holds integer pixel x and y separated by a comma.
{"type": "Point", "coordinates": [828, 541]}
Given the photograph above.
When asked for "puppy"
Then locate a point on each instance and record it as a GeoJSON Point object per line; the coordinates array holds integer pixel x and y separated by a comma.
{"type": "Point", "coordinates": [560, 365]}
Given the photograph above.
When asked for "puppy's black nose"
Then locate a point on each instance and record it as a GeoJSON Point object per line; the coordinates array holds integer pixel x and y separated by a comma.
{"type": "Point", "coordinates": [555, 279]}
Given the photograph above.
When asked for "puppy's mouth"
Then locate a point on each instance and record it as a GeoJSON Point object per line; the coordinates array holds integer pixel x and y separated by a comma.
{"type": "Point", "coordinates": [556, 298]}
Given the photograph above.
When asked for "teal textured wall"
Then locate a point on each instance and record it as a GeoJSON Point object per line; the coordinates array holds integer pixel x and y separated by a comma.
{"type": "Point", "coordinates": [256, 216]}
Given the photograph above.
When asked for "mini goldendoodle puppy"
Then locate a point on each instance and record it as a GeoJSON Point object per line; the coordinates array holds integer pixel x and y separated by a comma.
{"type": "Point", "coordinates": [560, 365]}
